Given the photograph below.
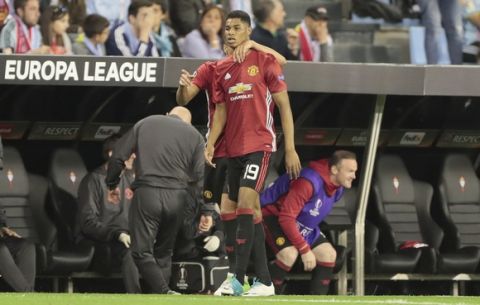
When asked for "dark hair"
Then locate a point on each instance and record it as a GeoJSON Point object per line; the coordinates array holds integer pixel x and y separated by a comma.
{"type": "Point", "coordinates": [263, 10]}
{"type": "Point", "coordinates": [136, 5]}
{"type": "Point", "coordinates": [339, 155]}
{"type": "Point", "coordinates": [243, 16]}
{"type": "Point", "coordinates": [19, 4]}
{"type": "Point", "coordinates": [51, 14]}
{"type": "Point", "coordinates": [109, 144]}
{"type": "Point", "coordinates": [207, 9]}
{"type": "Point", "coordinates": [162, 3]}
{"type": "Point", "coordinates": [94, 24]}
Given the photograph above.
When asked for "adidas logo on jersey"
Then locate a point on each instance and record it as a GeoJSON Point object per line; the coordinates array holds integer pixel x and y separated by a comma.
{"type": "Point", "coordinates": [228, 76]}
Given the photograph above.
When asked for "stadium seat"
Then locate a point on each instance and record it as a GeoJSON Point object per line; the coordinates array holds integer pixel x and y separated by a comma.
{"type": "Point", "coordinates": [399, 212]}
{"type": "Point", "coordinates": [66, 171]}
{"type": "Point", "coordinates": [14, 191]}
{"type": "Point", "coordinates": [459, 196]}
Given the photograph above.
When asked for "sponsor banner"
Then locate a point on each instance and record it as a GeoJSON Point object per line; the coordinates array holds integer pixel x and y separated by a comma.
{"type": "Point", "coordinates": [359, 137]}
{"type": "Point", "coordinates": [415, 138]}
{"type": "Point", "coordinates": [316, 136]}
{"type": "Point", "coordinates": [54, 131]}
{"type": "Point", "coordinates": [101, 131]}
{"type": "Point", "coordinates": [460, 139]}
{"type": "Point", "coordinates": [13, 130]}
{"type": "Point", "coordinates": [81, 71]}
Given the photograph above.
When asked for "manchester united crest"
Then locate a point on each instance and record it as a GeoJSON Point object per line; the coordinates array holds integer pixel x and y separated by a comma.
{"type": "Point", "coordinates": [252, 70]}
{"type": "Point", "coordinates": [280, 241]}
{"type": "Point", "coordinates": [208, 194]}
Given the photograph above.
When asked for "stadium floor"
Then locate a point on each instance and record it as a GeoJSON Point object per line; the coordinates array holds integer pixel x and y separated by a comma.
{"type": "Point", "coordinates": [121, 299]}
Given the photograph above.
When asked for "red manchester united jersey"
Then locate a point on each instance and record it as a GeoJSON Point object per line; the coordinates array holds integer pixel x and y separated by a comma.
{"type": "Point", "coordinates": [247, 89]}
{"type": "Point", "coordinates": [204, 79]}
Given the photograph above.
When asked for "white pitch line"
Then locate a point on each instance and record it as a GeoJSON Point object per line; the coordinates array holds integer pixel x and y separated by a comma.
{"type": "Point", "coordinates": [330, 301]}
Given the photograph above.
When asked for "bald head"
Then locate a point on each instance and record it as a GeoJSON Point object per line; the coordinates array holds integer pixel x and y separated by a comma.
{"type": "Point", "coordinates": [183, 113]}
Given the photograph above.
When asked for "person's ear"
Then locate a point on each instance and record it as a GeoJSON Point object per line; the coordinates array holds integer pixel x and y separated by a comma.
{"type": "Point", "coordinates": [334, 169]}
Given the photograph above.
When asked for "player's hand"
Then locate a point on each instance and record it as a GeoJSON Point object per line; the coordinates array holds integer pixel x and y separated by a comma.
{"type": "Point", "coordinates": [124, 238]}
{"type": "Point", "coordinates": [209, 150]}
{"type": "Point", "coordinates": [206, 222]}
{"type": "Point", "coordinates": [309, 261]}
{"type": "Point", "coordinates": [241, 51]}
{"type": "Point", "coordinates": [185, 78]}
{"type": "Point", "coordinates": [6, 231]}
{"type": "Point", "coordinates": [113, 196]}
{"type": "Point", "coordinates": [211, 243]}
{"type": "Point", "coordinates": [292, 164]}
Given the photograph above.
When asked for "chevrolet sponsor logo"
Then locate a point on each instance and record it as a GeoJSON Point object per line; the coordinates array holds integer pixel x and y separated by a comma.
{"type": "Point", "coordinates": [239, 88]}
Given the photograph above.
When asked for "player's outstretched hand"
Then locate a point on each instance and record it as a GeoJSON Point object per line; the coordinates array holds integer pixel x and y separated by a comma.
{"type": "Point", "coordinates": [185, 78]}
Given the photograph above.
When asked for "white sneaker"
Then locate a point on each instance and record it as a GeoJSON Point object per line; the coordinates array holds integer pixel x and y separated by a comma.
{"type": "Point", "coordinates": [224, 286]}
{"type": "Point", "coordinates": [260, 290]}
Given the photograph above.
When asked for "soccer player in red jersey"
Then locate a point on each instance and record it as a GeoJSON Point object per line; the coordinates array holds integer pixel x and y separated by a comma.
{"type": "Point", "coordinates": [215, 190]}
{"type": "Point", "coordinates": [245, 95]}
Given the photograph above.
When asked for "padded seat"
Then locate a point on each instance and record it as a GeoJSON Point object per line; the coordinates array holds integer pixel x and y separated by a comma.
{"type": "Point", "coordinates": [400, 212]}
{"type": "Point", "coordinates": [459, 196]}
{"type": "Point", "coordinates": [64, 255]}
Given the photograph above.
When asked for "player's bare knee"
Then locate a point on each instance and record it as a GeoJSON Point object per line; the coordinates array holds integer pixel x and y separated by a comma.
{"type": "Point", "coordinates": [325, 253]}
{"type": "Point", "coordinates": [288, 256]}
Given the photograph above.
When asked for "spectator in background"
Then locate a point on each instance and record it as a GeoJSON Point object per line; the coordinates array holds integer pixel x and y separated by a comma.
{"type": "Point", "coordinates": [315, 42]}
{"type": "Point", "coordinates": [78, 11]}
{"type": "Point", "coordinates": [4, 11]}
{"type": "Point", "coordinates": [185, 15]}
{"type": "Point", "coordinates": [206, 40]}
{"type": "Point", "coordinates": [54, 24]}
{"type": "Point", "coordinates": [471, 26]}
{"type": "Point", "coordinates": [116, 11]}
{"type": "Point", "coordinates": [164, 37]}
{"type": "Point", "coordinates": [105, 223]}
{"type": "Point", "coordinates": [21, 34]}
{"type": "Point", "coordinates": [134, 38]}
{"type": "Point", "coordinates": [436, 14]}
{"type": "Point", "coordinates": [270, 17]}
{"type": "Point", "coordinates": [92, 42]}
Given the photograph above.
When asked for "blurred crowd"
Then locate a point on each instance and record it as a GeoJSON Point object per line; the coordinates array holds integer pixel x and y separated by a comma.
{"type": "Point", "coordinates": [193, 28]}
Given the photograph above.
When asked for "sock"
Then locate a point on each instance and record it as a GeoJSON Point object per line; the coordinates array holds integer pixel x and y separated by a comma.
{"type": "Point", "coordinates": [278, 271]}
{"type": "Point", "coordinates": [260, 254]}
{"type": "Point", "coordinates": [244, 242]}
{"type": "Point", "coordinates": [230, 227]}
{"type": "Point", "coordinates": [321, 276]}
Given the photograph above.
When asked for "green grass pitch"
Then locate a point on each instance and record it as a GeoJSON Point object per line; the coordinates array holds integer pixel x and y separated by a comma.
{"type": "Point", "coordinates": [125, 299]}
